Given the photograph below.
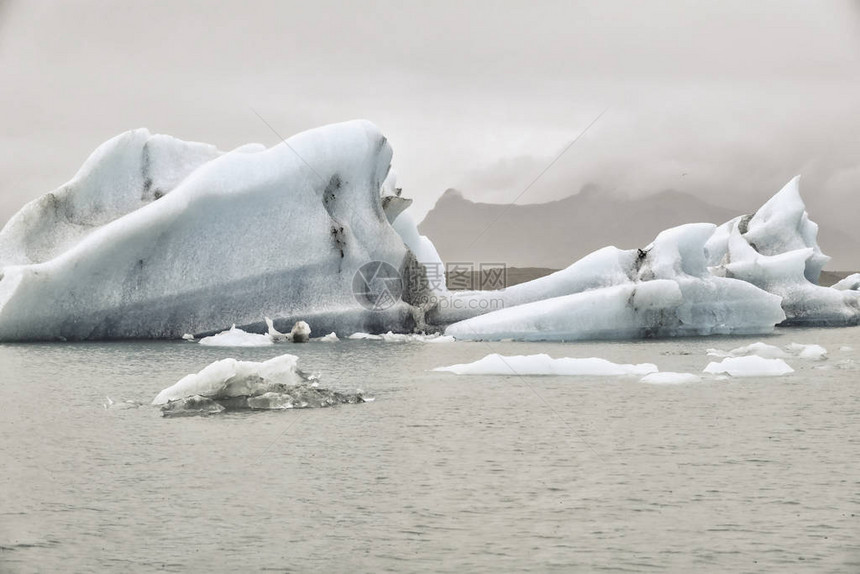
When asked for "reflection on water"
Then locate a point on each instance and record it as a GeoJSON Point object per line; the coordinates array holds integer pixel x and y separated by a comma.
{"type": "Point", "coordinates": [440, 473]}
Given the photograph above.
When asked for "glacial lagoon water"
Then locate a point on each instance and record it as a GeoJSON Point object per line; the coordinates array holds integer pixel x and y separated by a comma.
{"type": "Point", "coordinates": [441, 473]}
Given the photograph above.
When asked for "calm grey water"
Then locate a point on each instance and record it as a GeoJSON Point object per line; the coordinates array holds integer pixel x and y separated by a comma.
{"type": "Point", "coordinates": [441, 473]}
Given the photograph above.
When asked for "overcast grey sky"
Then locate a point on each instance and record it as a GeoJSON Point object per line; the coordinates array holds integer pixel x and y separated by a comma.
{"type": "Point", "coordinates": [726, 99]}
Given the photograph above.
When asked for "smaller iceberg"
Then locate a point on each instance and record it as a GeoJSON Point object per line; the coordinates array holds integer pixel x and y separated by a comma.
{"type": "Point", "coordinates": [229, 384]}
{"type": "Point", "coordinates": [751, 366]}
{"type": "Point", "coordinates": [235, 337]}
{"type": "Point", "coordinates": [543, 364]}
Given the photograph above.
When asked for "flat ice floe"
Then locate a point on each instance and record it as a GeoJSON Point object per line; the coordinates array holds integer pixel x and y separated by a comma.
{"type": "Point", "coordinates": [670, 378]}
{"type": "Point", "coordinates": [229, 384]}
{"type": "Point", "coordinates": [750, 366]}
{"type": "Point", "coordinates": [542, 364]}
{"type": "Point", "coordinates": [813, 352]}
{"type": "Point", "coordinates": [390, 337]}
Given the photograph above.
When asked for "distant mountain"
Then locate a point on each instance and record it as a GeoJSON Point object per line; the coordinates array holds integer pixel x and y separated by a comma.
{"type": "Point", "coordinates": [557, 233]}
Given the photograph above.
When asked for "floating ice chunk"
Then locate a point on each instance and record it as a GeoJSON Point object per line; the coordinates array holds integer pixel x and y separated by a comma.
{"type": "Point", "coordinates": [850, 283]}
{"type": "Point", "coordinates": [438, 339]}
{"type": "Point", "coordinates": [228, 384]}
{"type": "Point", "coordinates": [760, 349]}
{"type": "Point", "coordinates": [751, 366]}
{"type": "Point", "coordinates": [188, 337]}
{"type": "Point", "coordinates": [391, 337]}
{"type": "Point", "coordinates": [231, 378]}
{"type": "Point", "coordinates": [542, 364]}
{"type": "Point", "coordinates": [814, 352]}
{"type": "Point", "coordinates": [235, 337]}
{"type": "Point", "coordinates": [669, 378]}
{"type": "Point", "coordinates": [330, 338]}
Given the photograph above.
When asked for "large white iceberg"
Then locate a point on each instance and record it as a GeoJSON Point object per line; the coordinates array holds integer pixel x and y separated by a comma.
{"type": "Point", "coordinates": [745, 276]}
{"type": "Point", "coordinates": [156, 238]}
{"type": "Point", "coordinates": [160, 238]}
{"type": "Point", "coordinates": [664, 290]}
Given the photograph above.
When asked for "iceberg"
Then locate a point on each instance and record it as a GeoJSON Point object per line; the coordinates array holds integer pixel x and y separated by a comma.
{"type": "Point", "coordinates": [664, 290]}
{"type": "Point", "coordinates": [690, 281]}
{"type": "Point", "coordinates": [776, 249]}
{"type": "Point", "coordinates": [750, 366]}
{"type": "Point", "coordinates": [229, 384]}
{"type": "Point", "coordinates": [542, 364]}
{"type": "Point", "coordinates": [236, 338]}
{"type": "Point", "coordinates": [156, 238]}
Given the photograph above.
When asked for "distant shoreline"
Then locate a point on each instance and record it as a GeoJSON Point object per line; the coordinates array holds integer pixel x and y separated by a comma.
{"type": "Point", "coordinates": [517, 275]}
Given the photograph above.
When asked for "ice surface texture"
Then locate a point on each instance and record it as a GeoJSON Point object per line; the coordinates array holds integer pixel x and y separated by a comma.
{"type": "Point", "coordinates": [232, 237]}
